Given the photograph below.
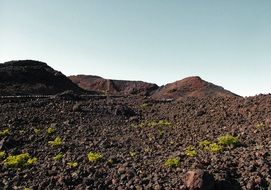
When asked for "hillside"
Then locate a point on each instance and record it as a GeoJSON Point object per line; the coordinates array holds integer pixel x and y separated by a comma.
{"type": "Point", "coordinates": [33, 77]}
{"type": "Point", "coordinates": [113, 87]}
{"type": "Point", "coordinates": [191, 87]}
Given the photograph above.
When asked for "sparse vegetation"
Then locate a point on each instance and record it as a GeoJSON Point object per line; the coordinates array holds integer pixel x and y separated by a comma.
{"type": "Point", "coordinates": [215, 148]}
{"type": "Point", "coordinates": [172, 162]}
{"type": "Point", "coordinates": [94, 156]}
{"type": "Point", "coordinates": [260, 126]}
{"type": "Point", "coordinates": [21, 160]}
{"type": "Point", "coordinates": [72, 164]}
{"type": "Point", "coordinates": [228, 140]}
{"type": "Point", "coordinates": [37, 131]}
{"type": "Point", "coordinates": [2, 154]}
{"type": "Point", "coordinates": [204, 145]}
{"type": "Point", "coordinates": [145, 106]}
{"type": "Point", "coordinates": [4, 133]}
{"type": "Point", "coordinates": [190, 151]}
{"type": "Point", "coordinates": [56, 142]}
{"type": "Point", "coordinates": [58, 157]}
{"type": "Point", "coordinates": [51, 130]}
{"type": "Point", "coordinates": [133, 153]}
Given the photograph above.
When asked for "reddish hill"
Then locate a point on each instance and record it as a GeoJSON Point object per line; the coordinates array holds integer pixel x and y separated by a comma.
{"type": "Point", "coordinates": [33, 77]}
{"type": "Point", "coordinates": [191, 87]}
{"type": "Point", "coordinates": [114, 87]}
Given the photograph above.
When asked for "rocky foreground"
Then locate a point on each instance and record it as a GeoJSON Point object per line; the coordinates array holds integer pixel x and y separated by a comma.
{"type": "Point", "coordinates": [135, 143]}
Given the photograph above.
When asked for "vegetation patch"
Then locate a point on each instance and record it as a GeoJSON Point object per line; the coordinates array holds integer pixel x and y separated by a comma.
{"type": "Point", "coordinates": [228, 140]}
{"type": "Point", "coordinates": [190, 151]}
{"type": "Point", "coordinates": [58, 157]}
{"type": "Point", "coordinates": [20, 160]}
{"type": "Point", "coordinates": [204, 145]}
{"type": "Point", "coordinates": [51, 130]}
{"type": "Point", "coordinates": [56, 142]}
{"type": "Point", "coordinates": [2, 154]}
{"type": "Point", "coordinates": [172, 162]}
{"type": "Point", "coordinates": [72, 164]}
{"type": "Point", "coordinates": [94, 156]}
{"type": "Point", "coordinates": [4, 133]}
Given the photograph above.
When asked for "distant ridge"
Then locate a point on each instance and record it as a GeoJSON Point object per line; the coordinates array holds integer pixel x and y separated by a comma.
{"type": "Point", "coordinates": [26, 77]}
{"type": "Point", "coordinates": [191, 87]}
{"type": "Point", "coordinates": [114, 87]}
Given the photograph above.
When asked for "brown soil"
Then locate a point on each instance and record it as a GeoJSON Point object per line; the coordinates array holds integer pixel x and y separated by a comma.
{"type": "Point", "coordinates": [191, 87]}
{"type": "Point", "coordinates": [113, 87]}
{"type": "Point", "coordinates": [32, 77]}
{"type": "Point", "coordinates": [134, 149]}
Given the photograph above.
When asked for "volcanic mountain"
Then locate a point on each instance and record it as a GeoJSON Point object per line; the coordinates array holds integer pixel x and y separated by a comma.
{"type": "Point", "coordinates": [28, 77]}
{"type": "Point", "coordinates": [191, 87]}
{"type": "Point", "coordinates": [113, 87]}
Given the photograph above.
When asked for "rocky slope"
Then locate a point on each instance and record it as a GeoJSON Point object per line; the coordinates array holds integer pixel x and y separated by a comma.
{"type": "Point", "coordinates": [32, 77]}
{"type": "Point", "coordinates": [134, 143]}
{"type": "Point", "coordinates": [113, 87]}
{"type": "Point", "coordinates": [191, 87]}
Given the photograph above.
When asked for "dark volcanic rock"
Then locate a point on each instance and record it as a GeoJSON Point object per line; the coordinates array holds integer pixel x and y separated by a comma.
{"type": "Point", "coordinates": [191, 87]}
{"type": "Point", "coordinates": [199, 180]}
{"type": "Point", "coordinates": [113, 87]}
{"type": "Point", "coordinates": [32, 77]}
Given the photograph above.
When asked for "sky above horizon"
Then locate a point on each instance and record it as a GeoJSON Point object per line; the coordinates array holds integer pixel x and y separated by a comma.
{"type": "Point", "coordinates": [226, 42]}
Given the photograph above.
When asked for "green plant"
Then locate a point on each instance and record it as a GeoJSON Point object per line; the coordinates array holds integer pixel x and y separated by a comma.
{"type": "Point", "coordinates": [227, 140]}
{"type": "Point", "coordinates": [172, 162]}
{"type": "Point", "coordinates": [58, 157]}
{"type": "Point", "coordinates": [72, 164]}
{"type": "Point", "coordinates": [20, 160]}
{"type": "Point", "coordinates": [4, 133]}
{"type": "Point", "coordinates": [2, 154]}
{"type": "Point", "coordinates": [37, 131]}
{"type": "Point", "coordinates": [144, 105]}
{"type": "Point", "coordinates": [94, 156]}
{"type": "Point", "coordinates": [51, 130]}
{"type": "Point", "coordinates": [133, 153]}
{"type": "Point", "coordinates": [190, 151]}
{"type": "Point", "coordinates": [26, 188]}
{"type": "Point", "coordinates": [56, 142]}
{"type": "Point", "coordinates": [215, 148]}
{"type": "Point", "coordinates": [204, 145]}
{"type": "Point", "coordinates": [164, 122]}
{"type": "Point", "coordinates": [260, 126]}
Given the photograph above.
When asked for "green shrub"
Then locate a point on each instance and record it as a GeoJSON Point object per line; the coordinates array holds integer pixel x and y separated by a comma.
{"type": "Point", "coordinates": [172, 162]}
{"type": "Point", "coordinates": [51, 130]}
{"type": "Point", "coordinates": [215, 148]}
{"type": "Point", "coordinates": [72, 164]}
{"type": "Point", "coordinates": [37, 131]}
{"type": "Point", "coordinates": [4, 133]}
{"type": "Point", "coordinates": [20, 160]}
{"type": "Point", "coordinates": [227, 140]}
{"type": "Point", "coordinates": [204, 145]}
{"type": "Point", "coordinates": [56, 142]}
{"type": "Point", "coordinates": [58, 157]}
{"type": "Point", "coordinates": [133, 153]}
{"type": "Point", "coordinates": [164, 122]}
{"type": "Point", "coordinates": [190, 151]}
{"type": "Point", "coordinates": [94, 156]}
{"type": "Point", "coordinates": [260, 126]}
{"type": "Point", "coordinates": [2, 154]}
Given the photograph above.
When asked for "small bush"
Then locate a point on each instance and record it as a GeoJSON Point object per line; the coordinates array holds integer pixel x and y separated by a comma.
{"type": "Point", "coordinates": [56, 142]}
{"type": "Point", "coordinates": [72, 164]}
{"type": "Point", "coordinates": [37, 131]}
{"type": "Point", "coordinates": [190, 151]}
{"type": "Point", "coordinates": [227, 140]}
{"type": "Point", "coordinates": [260, 126]}
{"type": "Point", "coordinates": [2, 154]}
{"type": "Point", "coordinates": [133, 153]}
{"type": "Point", "coordinates": [204, 145]}
{"type": "Point", "coordinates": [20, 160]}
{"type": "Point", "coordinates": [164, 122]}
{"type": "Point", "coordinates": [4, 133]}
{"type": "Point", "coordinates": [172, 162]}
{"type": "Point", "coordinates": [58, 157]}
{"type": "Point", "coordinates": [94, 156]}
{"type": "Point", "coordinates": [51, 130]}
{"type": "Point", "coordinates": [215, 148]}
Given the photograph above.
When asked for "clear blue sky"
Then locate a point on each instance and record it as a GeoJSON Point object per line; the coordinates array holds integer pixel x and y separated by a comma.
{"type": "Point", "coordinates": [226, 42]}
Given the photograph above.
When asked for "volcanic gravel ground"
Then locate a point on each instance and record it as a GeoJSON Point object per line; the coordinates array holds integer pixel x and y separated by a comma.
{"type": "Point", "coordinates": [133, 151]}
